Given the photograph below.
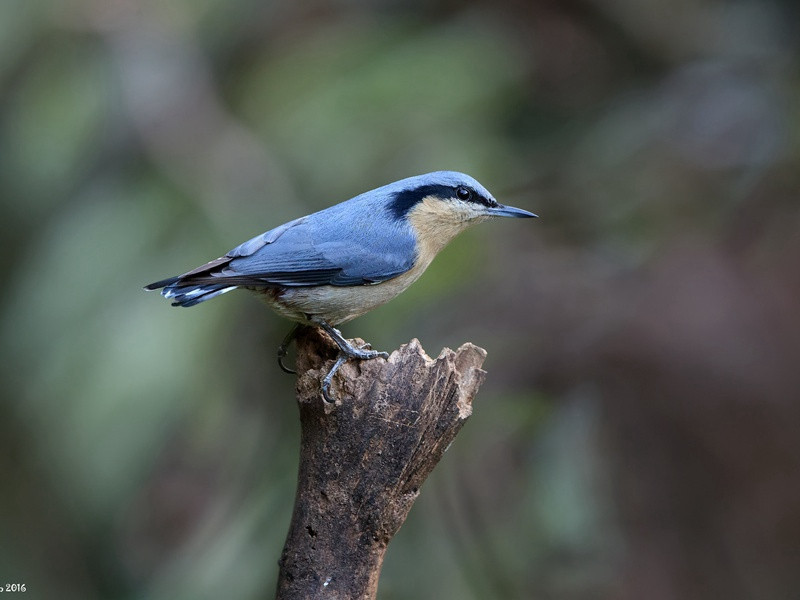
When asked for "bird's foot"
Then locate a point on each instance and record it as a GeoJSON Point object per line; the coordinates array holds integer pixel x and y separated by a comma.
{"type": "Point", "coordinates": [326, 382]}
{"type": "Point", "coordinates": [344, 356]}
{"type": "Point", "coordinates": [363, 352]}
{"type": "Point", "coordinates": [346, 352]}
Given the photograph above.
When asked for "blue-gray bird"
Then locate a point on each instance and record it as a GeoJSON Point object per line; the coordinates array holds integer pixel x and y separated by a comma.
{"type": "Point", "coordinates": [334, 265]}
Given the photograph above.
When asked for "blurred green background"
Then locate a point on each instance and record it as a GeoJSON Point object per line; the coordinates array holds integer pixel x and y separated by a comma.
{"type": "Point", "coordinates": [638, 435]}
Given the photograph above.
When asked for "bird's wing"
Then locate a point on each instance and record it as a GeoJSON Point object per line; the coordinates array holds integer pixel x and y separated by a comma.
{"type": "Point", "coordinates": [320, 252]}
{"type": "Point", "coordinates": [312, 251]}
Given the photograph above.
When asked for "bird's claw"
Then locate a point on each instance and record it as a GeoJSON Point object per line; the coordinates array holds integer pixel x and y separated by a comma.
{"type": "Point", "coordinates": [366, 352]}
{"type": "Point", "coordinates": [346, 352]}
{"type": "Point", "coordinates": [343, 357]}
{"type": "Point", "coordinates": [284, 368]}
{"type": "Point", "coordinates": [326, 382]}
{"type": "Point", "coordinates": [362, 353]}
{"type": "Point", "coordinates": [284, 348]}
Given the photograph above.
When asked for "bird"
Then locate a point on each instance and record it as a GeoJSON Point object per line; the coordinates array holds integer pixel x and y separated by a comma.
{"type": "Point", "coordinates": [329, 267]}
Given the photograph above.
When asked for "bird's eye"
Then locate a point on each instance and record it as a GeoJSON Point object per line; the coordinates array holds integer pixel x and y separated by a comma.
{"type": "Point", "coordinates": [463, 193]}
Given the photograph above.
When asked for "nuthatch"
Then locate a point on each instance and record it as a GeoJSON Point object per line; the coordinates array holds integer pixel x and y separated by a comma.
{"type": "Point", "coordinates": [334, 265]}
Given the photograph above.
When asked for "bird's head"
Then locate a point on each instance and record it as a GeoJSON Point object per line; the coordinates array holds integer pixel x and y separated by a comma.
{"type": "Point", "coordinates": [440, 205]}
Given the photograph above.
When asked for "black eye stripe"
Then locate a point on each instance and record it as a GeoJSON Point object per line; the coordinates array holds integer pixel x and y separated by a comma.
{"type": "Point", "coordinates": [405, 200]}
{"type": "Point", "coordinates": [466, 194]}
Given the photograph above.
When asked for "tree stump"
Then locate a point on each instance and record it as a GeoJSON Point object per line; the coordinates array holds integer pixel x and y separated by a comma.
{"type": "Point", "coordinates": [364, 458]}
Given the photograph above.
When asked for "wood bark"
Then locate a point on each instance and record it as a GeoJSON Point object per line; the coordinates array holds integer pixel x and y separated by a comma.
{"type": "Point", "coordinates": [364, 458]}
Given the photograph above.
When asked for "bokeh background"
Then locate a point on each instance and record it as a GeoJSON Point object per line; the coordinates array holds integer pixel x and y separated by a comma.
{"type": "Point", "coordinates": [638, 435]}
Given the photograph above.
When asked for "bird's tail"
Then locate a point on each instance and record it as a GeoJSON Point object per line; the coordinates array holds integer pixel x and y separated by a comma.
{"type": "Point", "coordinates": [184, 293]}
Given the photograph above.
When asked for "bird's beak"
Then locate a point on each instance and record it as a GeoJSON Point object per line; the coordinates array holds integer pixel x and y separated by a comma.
{"type": "Point", "coordinates": [508, 211]}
